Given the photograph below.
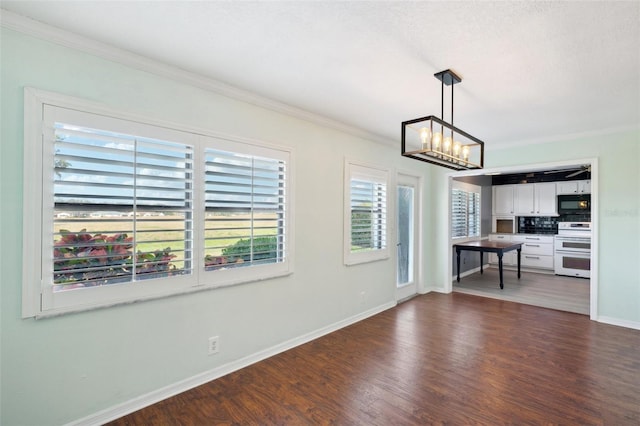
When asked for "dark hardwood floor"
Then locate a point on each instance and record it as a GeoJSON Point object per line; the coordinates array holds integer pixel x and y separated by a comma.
{"type": "Point", "coordinates": [438, 358]}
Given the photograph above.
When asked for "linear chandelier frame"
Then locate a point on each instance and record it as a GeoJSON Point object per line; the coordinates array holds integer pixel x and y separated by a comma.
{"type": "Point", "coordinates": [425, 138]}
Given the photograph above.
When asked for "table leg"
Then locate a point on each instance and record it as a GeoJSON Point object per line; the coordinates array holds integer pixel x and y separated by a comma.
{"type": "Point", "coordinates": [519, 250]}
{"type": "Point", "coordinates": [481, 260]}
{"type": "Point", "coordinates": [500, 268]}
{"type": "Point", "coordinates": [458, 262]}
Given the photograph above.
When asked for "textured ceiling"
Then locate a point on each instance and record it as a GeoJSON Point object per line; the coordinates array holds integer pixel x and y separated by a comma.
{"type": "Point", "coordinates": [531, 71]}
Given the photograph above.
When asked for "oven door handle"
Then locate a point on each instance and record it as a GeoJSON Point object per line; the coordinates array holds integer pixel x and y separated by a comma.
{"type": "Point", "coordinates": [586, 253]}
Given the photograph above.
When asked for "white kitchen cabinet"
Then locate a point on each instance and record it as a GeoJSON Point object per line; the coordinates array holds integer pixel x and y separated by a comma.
{"type": "Point", "coordinates": [584, 187]}
{"type": "Point", "coordinates": [524, 200]}
{"type": "Point", "coordinates": [545, 199]}
{"type": "Point", "coordinates": [509, 258]}
{"type": "Point", "coordinates": [535, 199]}
{"type": "Point", "coordinates": [503, 200]}
{"type": "Point", "coordinates": [537, 251]}
{"type": "Point", "coordinates": [573, 187]}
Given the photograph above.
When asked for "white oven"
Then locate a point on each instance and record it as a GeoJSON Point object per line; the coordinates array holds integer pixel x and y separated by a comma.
{"type": "Point", "coordinates": [572, 249]}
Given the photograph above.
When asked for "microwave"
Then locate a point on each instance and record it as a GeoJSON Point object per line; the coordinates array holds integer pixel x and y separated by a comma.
{"type": "Point", "coordinates": [574, 204]}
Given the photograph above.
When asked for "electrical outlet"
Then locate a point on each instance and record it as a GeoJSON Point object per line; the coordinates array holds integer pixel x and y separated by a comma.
{"type": "Point", "coordinates": [214, 345]}
{"type": "Point", "coordinates": [363, 297]}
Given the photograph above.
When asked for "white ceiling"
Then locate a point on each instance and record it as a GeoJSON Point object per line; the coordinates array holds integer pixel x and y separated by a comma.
{"type": "Point", "coordinates": [532, 71]}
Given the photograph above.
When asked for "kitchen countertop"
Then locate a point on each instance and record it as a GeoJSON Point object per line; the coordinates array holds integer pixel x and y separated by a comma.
{"type": "Point", "coordinates": [516, 233]}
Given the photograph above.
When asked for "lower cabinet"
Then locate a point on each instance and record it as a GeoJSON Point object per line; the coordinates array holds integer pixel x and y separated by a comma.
{"type": "Point", "coordinates": [537, 251]}
{"type": "Point", "coordinates": [509, 258]}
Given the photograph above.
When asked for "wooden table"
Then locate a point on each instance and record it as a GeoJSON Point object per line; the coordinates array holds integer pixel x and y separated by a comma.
{"type": "Point", "coordinates": [498, 247]}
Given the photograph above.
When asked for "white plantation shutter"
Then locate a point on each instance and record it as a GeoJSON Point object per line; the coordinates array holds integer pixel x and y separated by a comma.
{"type": "Point", "coordinates": [123, 207]}
{"type": "Point", "coordinates": [366, 213]}
{"type": "Point", "coordinates": [244, 209]}
{"type": "Point", "coordinates": [465, 212]}
{"type": "Point", "coordinates": [120, 208]}
{"type": "Point", "coordinates": [458, 213]}
{"type": "Point", "coordinates": [473, 214]}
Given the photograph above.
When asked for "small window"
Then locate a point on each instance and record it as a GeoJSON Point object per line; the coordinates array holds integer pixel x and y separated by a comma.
{"type": "Point", "coordinates": [365, 213]}
{"type": "Point", "coordinates": [465, 210]}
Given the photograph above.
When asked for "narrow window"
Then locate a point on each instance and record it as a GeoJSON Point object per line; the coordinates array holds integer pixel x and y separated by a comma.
{"type": "Point", "coordinates": [245, 210]}
{"type": "Point", "coordinates": [366, 213]}
{"type": "Point", "coordinates": [465, 211]}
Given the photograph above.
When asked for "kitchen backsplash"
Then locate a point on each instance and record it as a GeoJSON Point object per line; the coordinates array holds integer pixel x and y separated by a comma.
{"type": "Point", "coordinates": [537, 225]}
{"type": "Point", "coordinates": [547, 224]}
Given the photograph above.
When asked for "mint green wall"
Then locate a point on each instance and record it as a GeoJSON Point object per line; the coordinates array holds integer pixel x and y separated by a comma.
{"type": "Point", "coordinates": [62, 369]}
{"type": "Point", "coordinates": [618, 156]}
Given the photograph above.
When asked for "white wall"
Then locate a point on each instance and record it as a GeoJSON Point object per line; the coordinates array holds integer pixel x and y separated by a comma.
{"type": "Point", "coordinates": [62, 369]}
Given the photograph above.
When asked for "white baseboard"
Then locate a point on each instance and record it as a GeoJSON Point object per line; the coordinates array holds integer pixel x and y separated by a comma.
{"type": "Point", "coordinates": [158, 395]}
{"type": "Point", "coordinates": [619, 322]}
{"type": "Point", "coordinates": [469, 272]}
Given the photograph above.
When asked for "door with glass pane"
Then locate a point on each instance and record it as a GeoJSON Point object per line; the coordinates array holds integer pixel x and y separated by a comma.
{"type": "Point", "coordinates": [407, 238]}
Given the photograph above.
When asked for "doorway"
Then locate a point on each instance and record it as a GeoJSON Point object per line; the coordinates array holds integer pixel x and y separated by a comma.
{"type": "Point", "coordinates": [408, 245]}
{"type": "Point", "coordinates": [550, 168]}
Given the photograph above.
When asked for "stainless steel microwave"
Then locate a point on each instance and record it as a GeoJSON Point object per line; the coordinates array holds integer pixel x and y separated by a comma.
{"type": "Point", "coordinates": [574, 204]}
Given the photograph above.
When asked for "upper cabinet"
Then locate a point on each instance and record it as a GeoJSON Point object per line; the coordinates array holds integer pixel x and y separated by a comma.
{"type": "Point", "coordinates": [529, 199]}
{"type": "Point", "coordinates": [573, 187]}
{"type": "Point", "coordinates": [503, 196]}
{"type": "Point", "coordinates": [535, 199]}
{"type": "Point", "coordinates": [545, 199]}
{"type": "Point", "coordinates": [524, 200]}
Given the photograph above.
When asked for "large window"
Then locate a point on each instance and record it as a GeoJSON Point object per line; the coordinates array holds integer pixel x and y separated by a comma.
{"type": "Point", "coordinates": [465, 210]}
{"type": "Point", "coordinates": [365, 213]}
{"type": "Point", "coordinates": [118, 209]}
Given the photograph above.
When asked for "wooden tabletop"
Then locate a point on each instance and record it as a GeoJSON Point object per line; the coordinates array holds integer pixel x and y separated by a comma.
{"type": "Point", "coordinates": [489, 244]}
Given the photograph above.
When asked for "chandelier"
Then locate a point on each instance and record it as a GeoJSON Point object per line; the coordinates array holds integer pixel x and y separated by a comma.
{"type": "Point", "coordinates": [435, 141]}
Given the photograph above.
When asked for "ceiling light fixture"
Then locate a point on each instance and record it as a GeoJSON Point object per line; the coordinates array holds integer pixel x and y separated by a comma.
{"type": "Point", "coordinates": [435, 141]}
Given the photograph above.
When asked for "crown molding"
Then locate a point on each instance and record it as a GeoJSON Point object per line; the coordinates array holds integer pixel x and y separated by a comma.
{"type": "Point", "coordinates": [562, 138]}
{"type": "Point", "coordinates": [74, 41]}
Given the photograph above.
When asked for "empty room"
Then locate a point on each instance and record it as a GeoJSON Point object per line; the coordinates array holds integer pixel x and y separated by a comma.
{"type": "Point", "coordinates": [328, 212]}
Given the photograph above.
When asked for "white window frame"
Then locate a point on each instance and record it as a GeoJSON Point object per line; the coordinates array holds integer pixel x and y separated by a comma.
{"type": "Point", "coordinates": [37, 298]}
{"type": "Point", "coordinates": [468, 188]}
{"type": "Point", "coordinates": [359, 171]}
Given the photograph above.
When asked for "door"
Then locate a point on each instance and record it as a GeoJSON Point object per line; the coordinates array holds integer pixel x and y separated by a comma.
{"type": "Point", "coordinates": [408, 236]}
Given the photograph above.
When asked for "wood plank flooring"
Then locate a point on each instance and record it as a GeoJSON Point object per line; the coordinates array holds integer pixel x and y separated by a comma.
{"type": "Point", "coordinates": [548, 291]}
{"type": "Point", "coordinates": [437, 358]}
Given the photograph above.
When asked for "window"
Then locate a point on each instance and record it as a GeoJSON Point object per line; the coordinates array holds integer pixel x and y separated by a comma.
{"type": "Point", "coordinates": [365, 214]}
{"type": "Point", "coordinates": [113, 195]}
{"type": "Point", "coordinates": [465, 210]}
{"type": "Point", "coordinates": [118, 209]}
{"type": "Point", "coordinates": [245, 210]}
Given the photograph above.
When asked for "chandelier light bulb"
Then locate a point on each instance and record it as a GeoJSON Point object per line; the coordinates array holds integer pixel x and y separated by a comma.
{"type": "Point", "coordinates": [437, 140]}
{"type": "Point", "coordinates": [465, 153]}
{"type": "Point", "coordinates": [447, 145]}
{"type": "Point", "coordinates": [425, 137]}
{"type": "Point", "coordinates": [456, 149]}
